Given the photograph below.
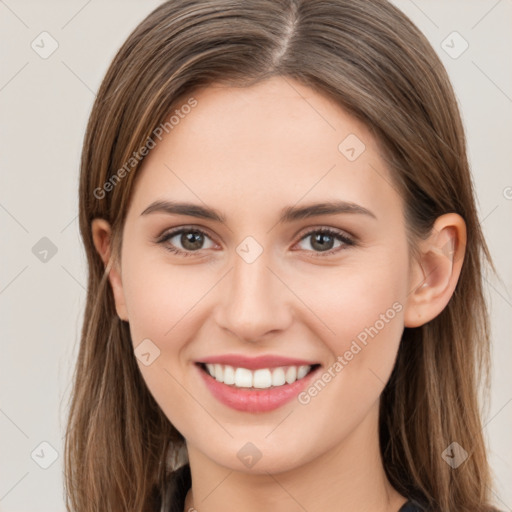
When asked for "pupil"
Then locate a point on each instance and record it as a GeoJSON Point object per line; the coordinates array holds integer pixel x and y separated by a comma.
{"type": "Point", "coordinates": [322, 244]}
{"type": "Point", "coordinates": [191, 240]}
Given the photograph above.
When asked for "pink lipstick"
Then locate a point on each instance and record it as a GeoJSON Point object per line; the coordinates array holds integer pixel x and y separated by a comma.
{"type": "Point", "coordinates": [256, 384]}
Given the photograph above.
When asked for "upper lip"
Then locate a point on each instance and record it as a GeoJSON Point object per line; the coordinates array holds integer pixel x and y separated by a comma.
{"type": "Point", "coordinates": [255, 363]}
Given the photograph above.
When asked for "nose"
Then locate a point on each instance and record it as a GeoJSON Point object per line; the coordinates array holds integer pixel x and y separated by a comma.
{"type": "Point", "coordinates": [255, 301]}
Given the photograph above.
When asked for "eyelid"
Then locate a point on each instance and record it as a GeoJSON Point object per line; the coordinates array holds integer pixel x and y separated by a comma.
{"type": "Point", "coordinates": [169, 232]}
{"type": "Point", "coordinates": [323, 228]}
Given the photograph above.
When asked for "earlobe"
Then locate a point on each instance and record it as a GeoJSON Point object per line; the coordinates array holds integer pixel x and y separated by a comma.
{"type": "Point", "coordinates": [102, 238]}
{"type": "Point", "coordinates": [435, 273]}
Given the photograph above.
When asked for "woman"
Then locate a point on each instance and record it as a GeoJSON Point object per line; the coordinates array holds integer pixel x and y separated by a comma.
{"type": "Point", "coordinates": [285, 306]}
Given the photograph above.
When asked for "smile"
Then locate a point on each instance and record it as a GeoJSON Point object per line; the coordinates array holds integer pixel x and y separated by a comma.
{"type": "Point", "coordinates": [264, 378]}
{"type": "Point", "coordinates": [257, 390]}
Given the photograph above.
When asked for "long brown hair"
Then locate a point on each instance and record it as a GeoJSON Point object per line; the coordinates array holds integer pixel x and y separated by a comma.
{"type": "Point", "coordinates": [371, 59]}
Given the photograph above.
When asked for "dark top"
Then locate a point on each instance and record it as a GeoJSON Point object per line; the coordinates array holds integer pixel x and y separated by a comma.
{"type": "Point", "coordinates": [411, 506]}
{"type": "Point", "coordinates": [175, 500]}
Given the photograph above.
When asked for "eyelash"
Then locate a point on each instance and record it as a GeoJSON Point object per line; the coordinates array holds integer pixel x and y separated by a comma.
{"type": "Point", "coordinates": [347, 241]}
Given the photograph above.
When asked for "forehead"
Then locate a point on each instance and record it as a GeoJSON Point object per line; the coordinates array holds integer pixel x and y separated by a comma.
{"type": "Point", "coordinates": [277, 142]}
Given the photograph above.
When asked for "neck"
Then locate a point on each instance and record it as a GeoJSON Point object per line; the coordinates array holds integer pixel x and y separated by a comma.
{"type": "Point", "coordinates": [349, 477]}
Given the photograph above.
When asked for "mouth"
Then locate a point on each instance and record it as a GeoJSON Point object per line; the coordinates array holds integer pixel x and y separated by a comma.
{"type": "Point", "coordinates": [261, 378]}
{"type": "Point", "coordinates": [257, 390]}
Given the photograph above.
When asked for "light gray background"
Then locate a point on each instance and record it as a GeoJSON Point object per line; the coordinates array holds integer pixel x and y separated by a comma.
{"type": "Point", "coordinates": [44, 105]}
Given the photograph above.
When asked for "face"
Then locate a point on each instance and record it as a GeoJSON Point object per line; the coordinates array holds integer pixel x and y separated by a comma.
{"type": "Point", "coordinates": [266, 290]}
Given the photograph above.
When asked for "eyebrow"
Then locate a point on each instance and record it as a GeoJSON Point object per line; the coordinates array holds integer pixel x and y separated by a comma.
{"type": "Point", "coordinates": [288, 214]}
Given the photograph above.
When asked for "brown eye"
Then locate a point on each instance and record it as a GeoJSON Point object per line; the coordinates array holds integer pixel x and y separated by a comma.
{"type": "Point", "coordinates": [190, 240]}
{"type": "Point", "coordinates": [324, 240]}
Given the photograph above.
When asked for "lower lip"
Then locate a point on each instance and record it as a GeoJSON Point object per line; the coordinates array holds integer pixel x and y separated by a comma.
{"type": "Point", "coordinates": [251, 400]}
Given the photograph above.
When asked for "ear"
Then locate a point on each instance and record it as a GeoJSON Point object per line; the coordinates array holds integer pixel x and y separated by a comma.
{"type": "Point", "coordinates": [102, 236]}
{"type": "Point", "coordinates": [434, 274]}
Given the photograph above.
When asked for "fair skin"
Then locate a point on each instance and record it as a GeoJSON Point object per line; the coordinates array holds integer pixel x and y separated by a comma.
{"type": "Point", "coordinates": [249, 153]}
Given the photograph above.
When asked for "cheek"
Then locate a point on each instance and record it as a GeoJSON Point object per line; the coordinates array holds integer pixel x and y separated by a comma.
{"type": "Point", "coordinates": [362, 305]}
{"type": "Point", "coordinates": [357, 302]}
{"type": "Point", "coordinates": [159, 296]}
{"type": "Point", "coordinates": [366, 314]}
{"type": "Point", "coordinates": [160, 299]}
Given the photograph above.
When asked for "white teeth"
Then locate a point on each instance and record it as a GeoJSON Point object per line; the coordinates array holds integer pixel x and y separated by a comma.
{"type": "Point", "coordinates": [291, 374]}
{"type": "Point", "coordinates": [301, 372]}
{"type": "Point", "coordinates": [278, 378]}
{"type": "Point", "coordinates": [262, 378]}
{"type": "Point", "coordinates": [219, 373]}
{"type": "Point", "coordinates": [243, 378]}
{"type": "Point", "coordinates": [229, 375]}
